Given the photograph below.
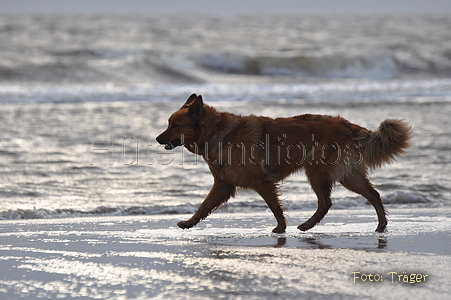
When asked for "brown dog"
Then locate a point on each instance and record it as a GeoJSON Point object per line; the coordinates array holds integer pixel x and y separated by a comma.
{"type": "Point", "coordinates": [257, 152]}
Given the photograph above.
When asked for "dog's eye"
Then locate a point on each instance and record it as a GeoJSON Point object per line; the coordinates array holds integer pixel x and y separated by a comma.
{"type": "Point", "coordinates": [175, 126]}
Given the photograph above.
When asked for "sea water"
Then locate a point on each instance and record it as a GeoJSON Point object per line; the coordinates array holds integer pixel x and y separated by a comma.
{"type": "Point", "coordinates": [83, 98]}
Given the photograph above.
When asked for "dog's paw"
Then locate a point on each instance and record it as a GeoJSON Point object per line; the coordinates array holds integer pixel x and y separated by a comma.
{"type": "Point", "coordinates": [184, 224]}
{"type": "Point", "coordinates": [304, 227]}
{"type": "Point", "coordinates": [279, 229]}
{"type": "Point", "coordinates": [381, 229]}
{"type": "Point", "coordinates": [382, 226]}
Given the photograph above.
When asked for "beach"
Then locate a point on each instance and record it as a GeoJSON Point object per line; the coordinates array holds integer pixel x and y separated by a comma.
{"type": "Point", "coordinates": [89, 200]}
{"type": "Point", "coordinates": [228, 256]}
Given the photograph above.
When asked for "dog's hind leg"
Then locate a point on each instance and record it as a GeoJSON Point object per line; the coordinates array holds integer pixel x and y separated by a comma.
{"type": "Point", "coordinates": [219, 193]}
{"type": "Point", "coordinates": [322, 186]}
{"type": "Point", "coordinates": [269, 192]}
{"type": "Point", "coordinates": [359, 183]}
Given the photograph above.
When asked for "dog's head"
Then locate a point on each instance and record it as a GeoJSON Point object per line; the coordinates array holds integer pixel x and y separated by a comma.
{"type": "Point", "coordinates": [182, 124]}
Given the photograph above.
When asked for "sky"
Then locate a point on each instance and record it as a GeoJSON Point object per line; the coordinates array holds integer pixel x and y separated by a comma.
{"type": "Point", "coordinates": [225, 7]}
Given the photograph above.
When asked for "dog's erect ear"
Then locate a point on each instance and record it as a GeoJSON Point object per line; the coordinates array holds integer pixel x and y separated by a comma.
{"type": "Point", "coordinates": [190, 100]}
{"type": "Point", "coordinates": [196, 107]}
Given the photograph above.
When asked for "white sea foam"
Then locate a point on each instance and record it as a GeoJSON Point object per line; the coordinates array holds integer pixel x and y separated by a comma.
{"type": "Point", "coordinates": [325, 60]}
{"type": "Point", "coordinates": [394, 200]}
{"type": "Point", "coordinates": [334, 92]}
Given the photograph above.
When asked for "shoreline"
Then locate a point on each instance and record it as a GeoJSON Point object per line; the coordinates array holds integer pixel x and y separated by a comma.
{"type": "Point", "coordinates": [228, 256]}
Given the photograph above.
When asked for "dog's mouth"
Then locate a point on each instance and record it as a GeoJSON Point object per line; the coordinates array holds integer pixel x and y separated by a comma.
{"type": "Point", "coordinates": [171, 145]}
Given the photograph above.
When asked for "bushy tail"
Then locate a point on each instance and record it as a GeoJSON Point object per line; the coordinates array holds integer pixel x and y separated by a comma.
{"type": "Point", "coordinates": [389, 141]}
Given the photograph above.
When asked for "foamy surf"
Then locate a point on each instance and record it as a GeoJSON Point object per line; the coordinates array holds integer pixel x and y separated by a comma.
{"type": "Point", "coordinates": [349, 91]}
{"type": "Point", "coordinates": [392, 201]}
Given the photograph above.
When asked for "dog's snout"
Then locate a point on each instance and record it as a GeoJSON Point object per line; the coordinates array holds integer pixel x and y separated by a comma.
{"type": "Point", "coordinates": [160, 140]}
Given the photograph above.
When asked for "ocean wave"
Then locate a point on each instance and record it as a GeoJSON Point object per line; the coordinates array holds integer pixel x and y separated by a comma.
{"type": "Point", "coordinates": [85, 53]}
{"type": "Point", "coordinates": [42, 213]}
{"type": "Point", "coordinates": [378, 66]}
{"type": "Point", "coordinates": [412, 199]}
{"type": "Point", "coordinates": [118, 50]}
{"type": "Point", "coordinates": [324, 92]}
{"type": "Point", "coordinates": [51, 72]}
{"type": "Point", "coordinates": [396, 198]}
{"type": "Point", "coordinates": [400, 197]}
{"type": "Point", "coordinates": [87, 66]}
{"type": "Point", "coordinates": [83, 66]}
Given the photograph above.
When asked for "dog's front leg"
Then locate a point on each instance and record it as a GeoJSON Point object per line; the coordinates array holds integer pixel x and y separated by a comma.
{"type": "Point", "coordinates": [219, 193]}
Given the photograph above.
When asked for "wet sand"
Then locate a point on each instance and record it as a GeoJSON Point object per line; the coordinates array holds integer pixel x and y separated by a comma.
{"type": "Point", "coordinates": [228, 256]}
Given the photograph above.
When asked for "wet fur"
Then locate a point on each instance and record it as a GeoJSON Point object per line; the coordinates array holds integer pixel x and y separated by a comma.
{"type": "Point", "coordinates": [254, 152]}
